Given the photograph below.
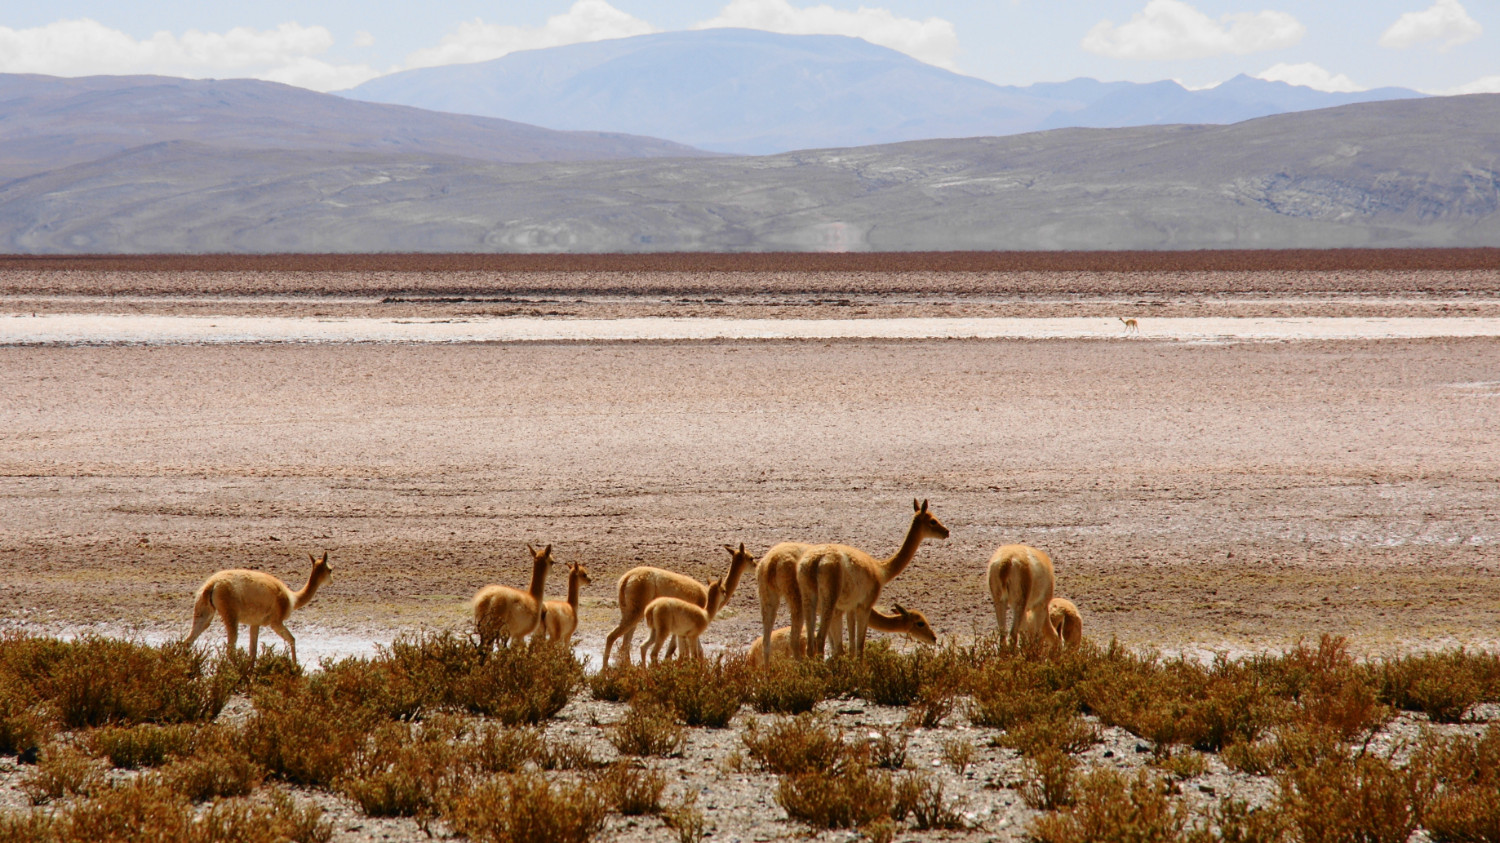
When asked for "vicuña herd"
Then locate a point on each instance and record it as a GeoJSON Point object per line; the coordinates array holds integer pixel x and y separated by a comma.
{"type": "Point", "coordinates": [827, 588]}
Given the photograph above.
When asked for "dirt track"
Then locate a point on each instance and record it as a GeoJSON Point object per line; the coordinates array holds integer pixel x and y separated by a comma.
{"type": "Point", "coordinates": [1192, 495]}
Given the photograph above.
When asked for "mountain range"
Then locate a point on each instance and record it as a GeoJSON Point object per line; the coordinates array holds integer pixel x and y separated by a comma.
{"type": "Point", "coordinates": [1415, 172]}
{"type": "Point", "coordinates": [48, 122]}
{"type": "Point", "coordinates": [756, 93]}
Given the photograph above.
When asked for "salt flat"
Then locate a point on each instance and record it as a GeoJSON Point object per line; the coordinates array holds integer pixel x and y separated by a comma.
{"type": "Point", "coordinates": [152, 329]}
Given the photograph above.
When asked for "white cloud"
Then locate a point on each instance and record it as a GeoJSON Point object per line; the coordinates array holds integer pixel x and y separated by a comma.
{"type": "Point", "coordinates": [363, 38]}
{"type": "Point", "coordinates": [586, 20]}
{"type": "Point", "coordinates": [1309, 75]}
{"type": "Point", "coordinates": [1172, 29]}
{"type": "Point", "coordinates": [1445, 22]}
{"type": "Point", "coordinates": [933, 40]}
{"type": "Point", "coordinates": [86, 47]}
{"type": "Point", "coordinates": [1483, 85]}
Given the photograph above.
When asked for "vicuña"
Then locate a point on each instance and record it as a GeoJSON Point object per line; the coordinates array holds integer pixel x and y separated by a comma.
{"type": "Point", "coordinates": [839, 578]}
{"type": "Point", "coordinates": [502, 613]}
{"type": "Point", "coordinates": [640, 586]}
{"type": "Point", "coordinates": [254, 598]}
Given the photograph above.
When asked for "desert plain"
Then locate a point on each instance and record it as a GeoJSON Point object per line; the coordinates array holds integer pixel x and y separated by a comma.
{"type": "Point", "coordinates": [1200, 496]}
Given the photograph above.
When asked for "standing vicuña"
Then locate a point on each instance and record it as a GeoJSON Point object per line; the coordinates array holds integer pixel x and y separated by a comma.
{"type": "Point", "coordinates": [1021, 581]}
{"type": "Point", "coordinates": [1131, 326]}
{"type": "Point", "coordinates": [1064, 617]}
{"type": "Point", "coordinates": [639, 586]}
{"type": "Point", "coordinates": [560, 619]}
{"type": "Point", "coordinates": [913, 624]}
{"type": "Point", "coordinates": [840, 578]}
{"type": "Point", "coordinates": [254, 598]}
{"type": "Point", "coordinates": [503, 613]}
{"type": "Point", "coordinates": [670, 617]}
{"type": "Point", "coordinates": [776, 578]}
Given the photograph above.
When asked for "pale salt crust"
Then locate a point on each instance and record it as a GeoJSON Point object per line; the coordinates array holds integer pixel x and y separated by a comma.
{"type": "Point", "coordinates": [132, 329]}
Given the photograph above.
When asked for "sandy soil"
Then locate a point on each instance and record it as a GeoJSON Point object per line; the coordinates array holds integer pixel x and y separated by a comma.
{"type": "Point", "coordinates": [1233, 496]}
{"type": "Point", "coordinates": [1196, 497]}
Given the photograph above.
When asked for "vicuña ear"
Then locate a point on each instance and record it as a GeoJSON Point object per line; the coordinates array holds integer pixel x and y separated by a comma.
{"type": "Point", "coordinates": [899, 610]}
{"type": "Point", "coordinates": [311, 558]}
{"type": "Point", "coordinates": [728, 548]}
{"type": "Point", "coordinates": [924, 504]}
{"type": "Point", "coordinates": [325, 557]}
{"type": "Point", "coordinates": [547, 551]}
{"type": "Point", "coordinates": [914, 507]}
{"type": "Point", "coordinates": [742, 547]}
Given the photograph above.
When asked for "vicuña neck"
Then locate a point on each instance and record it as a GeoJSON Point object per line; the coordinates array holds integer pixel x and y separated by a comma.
{"type": "Point", "coordinates": [539, 576]}
{"type": "Point", "coordinates": [882, 622]}
{"type": "Point", "coordinates": [301, 598]}
{"type": "Point", "coordinates": [574, 582]}
{"type": "Point", "coordinates": [896, 564]}
{"type": "Point", "coordinates": [732, 581]}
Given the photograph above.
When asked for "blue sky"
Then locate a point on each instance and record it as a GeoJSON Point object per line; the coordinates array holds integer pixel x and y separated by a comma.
{"type": "Point", "coordinates": [1438, 46]}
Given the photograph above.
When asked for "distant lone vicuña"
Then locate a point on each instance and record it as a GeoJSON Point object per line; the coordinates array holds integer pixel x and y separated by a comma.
{"type": "Point", "coordinates": [257, 599]}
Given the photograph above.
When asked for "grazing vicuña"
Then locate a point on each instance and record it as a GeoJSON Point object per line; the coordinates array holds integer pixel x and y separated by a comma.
{"type": "Point", "coordinates": [839, 578]}
{"type": "Point", "coordinates": [1021, 581]}
{"type": "Point", "coordinates": [913, 624]}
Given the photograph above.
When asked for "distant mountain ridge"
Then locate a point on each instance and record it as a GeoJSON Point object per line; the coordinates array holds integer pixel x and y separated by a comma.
{"type": "Point", "coordinates": [48, 122]}
{"type": "Point", "coordinates": [1409, 173]}
{"type": "Point", "coordinates": [752, 92]}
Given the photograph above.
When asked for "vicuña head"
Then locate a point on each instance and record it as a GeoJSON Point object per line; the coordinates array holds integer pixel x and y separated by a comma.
{"type": "Point", "coordinates": [925, 524]}
{"type": "Point", "coordinates": [257, 599]}
{"type": "Point", "coordinates": [911, 623]}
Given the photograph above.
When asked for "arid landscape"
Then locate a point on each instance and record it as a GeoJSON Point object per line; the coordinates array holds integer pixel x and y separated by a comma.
{"type": "Point", "coordinates": [1225, 496]}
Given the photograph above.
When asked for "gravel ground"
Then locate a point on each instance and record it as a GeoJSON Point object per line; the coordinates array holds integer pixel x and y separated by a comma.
{"type": "Point", "coordinates": [1196, 498]}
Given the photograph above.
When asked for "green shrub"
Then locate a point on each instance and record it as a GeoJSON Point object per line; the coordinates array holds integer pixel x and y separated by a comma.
{"type": "Point", "coordinates": [28, 827]}
{"type": "Point", "coordinates": [648, 729]}
{"type": "Point", "coordinates": [1364, 799]}
{"type": "Point", "coordinates": [632, 790]}
{"type": "Point", "coordinates": [1048, 781]}
{"type": "Point", "coordinates": [803, 744]}
{"type": "Point", "coordinates": [279, 820]}
{"type": "Point", "coordinates": [305, 731]}
{"type": "Point", "coordinates": [1297, 745]}
{"type": "Point", "coordinates": [95, 681]}
{"type": "Point", "coordinates": [142, 745]}
{"type": "Point", "coordinates": [526, 807]}
{"type": "Point", "coordinates": [887, 752]}
{"type": "Point", "coordinates": [1466, 771]}
{"type": "Point", "coordinates": [1050, 732]}
{"type": "Point", "coordinates": [703, 693]}
{"type": "Point", "coordinates": [1442, 685]}
{"type": "Point", "coordinates": [141, 811]}
{"type": "Point", "coordinates": [958, 753]}
{"type": "Point", "coordinates": [793, 686]}
{"type": "Point", "coordinates": [847, 795]}
{"type": "Point", "coordinates": [920, 796]}
{"type": "Point", "coordinates": [523, 684]}
{"type": "Point", "coordinates": [1110, 808]}
{"type": "Point", "coordinates": [404, 770]}
{"type": "Point", "coordinates": [61, 770]}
